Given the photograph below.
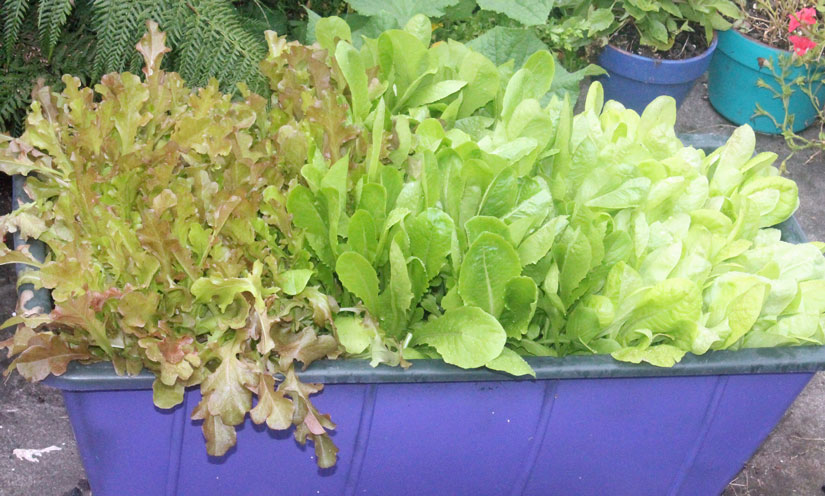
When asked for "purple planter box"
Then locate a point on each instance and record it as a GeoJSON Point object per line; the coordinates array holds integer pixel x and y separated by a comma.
{"type": "Point", "coordinates": [587, 425]}
{"type": "Point", "coordinates": [677, 435]}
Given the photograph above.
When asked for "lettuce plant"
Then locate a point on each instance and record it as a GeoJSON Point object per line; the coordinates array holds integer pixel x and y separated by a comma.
{"type": "Point", "coordinates": [393, 201]}
{"type": "Point", "coordinates": [170, 245]}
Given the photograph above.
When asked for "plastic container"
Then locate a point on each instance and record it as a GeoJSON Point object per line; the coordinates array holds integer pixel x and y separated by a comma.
{"type": "Point", "coordinates": [588, 425]}
{"type": "Point", "coordinates": [635, 81]}
{"type": "Point", "coordinates": [733, 91]}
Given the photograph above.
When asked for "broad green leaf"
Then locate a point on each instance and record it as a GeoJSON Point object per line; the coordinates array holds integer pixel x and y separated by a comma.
{"type": "Point", "coordinates": [629, 194]}
{"type": "Point", "coordinates": [398, 294]}
{"type": "Point", "coordinates": [430, 237]}
{"type": "Point", "coordinates": [599, 20]}
{"type": "Point", "coordinates": [509, 361]}
{"type": "Point", "coordinates": [329, 31]}
{"type": "Point", "coordinates": [527, 12]}
{"type": "Point", "coordinates": [467, 337]}
{"type": "Point", "coordinates": [301, 204]}
{"type": "Point", "coordinates": [402, 10]}
{"type": "Point", "coordinates": [481, 224]}
{"type": "Point", "coordinates": [500, 197]}
{"type": "Point", "coordinates": [358, 277]}
{"type": "Point", "coordinates": [536, 245]}
{"type": "Point", "coordinates": [487, 267]}
{"type": "Point", "coordinates": [353, 68]}
{"type": "Point", "coordinates": [661, 355]}
{"type": "Point", "coordinates": [420, 27]}
{"type": "Point", "coordinates": [354, 336]}
{"type": "Point", "coordinates": [482, 83]}
{"type": "Point", "coordinates": [574, 256]}
{"type": "Point", "coordinates": [435, 92]}
{"type": "Point", "coordinates": [294, 281]}
{"type": "Point", "coordinates": [501, 44]}
{"type": "Point", "coordinates": [775, 198]}
{"type": "Point", "coordinates": [521, 295]}
{"type": "Point", "coordinates": [362, 235]}
{"type": "Point", "coordinates": [671, 306]}
{"type": "Point", "coordinates": [542, 65]}
{"type": "Point", "coordinates": [743, 312]}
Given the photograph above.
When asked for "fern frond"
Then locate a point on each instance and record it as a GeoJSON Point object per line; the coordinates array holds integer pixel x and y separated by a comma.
{"type": "Point", "coordinates": [257, 18]}
{"type": "Point", "coordinates": [14, 11]}
{"type": "Point", "coordinates": [116, 23]}
{"type": "Point", "coordinates": [214, 43]}
{"type": "Point", "coordinates": [51, 16]}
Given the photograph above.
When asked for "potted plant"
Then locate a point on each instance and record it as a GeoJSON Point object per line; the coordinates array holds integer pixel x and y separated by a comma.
{"type": "Point", "coordinates": [658, 48]}
{"type": "Point", "coordinates": [766, 73]}
{"type": "Point", "coordinates": [208, 247]}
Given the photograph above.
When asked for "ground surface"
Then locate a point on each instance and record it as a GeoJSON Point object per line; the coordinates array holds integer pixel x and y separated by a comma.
{"type": "Point", "coordinates": [790, 462]}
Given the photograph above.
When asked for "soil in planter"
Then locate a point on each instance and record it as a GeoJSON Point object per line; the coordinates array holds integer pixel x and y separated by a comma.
{"type": "Point", "coordinates": [757, 25]}
{"type": "Point", "coordinates": [687, 44]}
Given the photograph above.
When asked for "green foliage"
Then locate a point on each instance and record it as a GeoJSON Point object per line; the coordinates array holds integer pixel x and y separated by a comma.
{"type": "Point", "coordinates": [449, 207]}
{"type": "Point", "coordinates": [658, 22]}
{"type": "Point", "coordinates": [177, 196]}
{"type": "Point", "coordinates": [527, 12]}
{"type": "Point", "coordinates": [793, 73]}
{"type": "Point", "coordinates": [402, 10]}
{"type": "Point", "coordinates": [212, 39]}
{"type": "Point", "coordinates": [22, 72]}
{"type": "Point", "coordinates": [51, 17]}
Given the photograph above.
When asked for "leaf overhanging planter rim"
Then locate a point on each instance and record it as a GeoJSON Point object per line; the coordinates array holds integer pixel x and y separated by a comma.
{"type": "Point", "coordinates": [101, 376]}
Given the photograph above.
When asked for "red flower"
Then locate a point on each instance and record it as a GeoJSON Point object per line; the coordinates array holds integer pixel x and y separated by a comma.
{"type": "Point", "coordinates": [801, 44]}
{"type": "Point", "coordinates": [806, 16]}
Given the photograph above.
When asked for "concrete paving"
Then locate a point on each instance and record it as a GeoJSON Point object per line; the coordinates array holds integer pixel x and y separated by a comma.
{"type": "Point", "coordinates": [790, 462]}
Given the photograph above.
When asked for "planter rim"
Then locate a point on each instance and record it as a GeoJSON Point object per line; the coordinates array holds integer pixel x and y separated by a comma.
{"type": "Point", "coordinates": [666, 62]}
{"type": "Point", "coordinates": [758, 42]}
{"type": "Point", "coordinates": [101, 376]}
{"type": "Point", "coordinates": [745, 50]}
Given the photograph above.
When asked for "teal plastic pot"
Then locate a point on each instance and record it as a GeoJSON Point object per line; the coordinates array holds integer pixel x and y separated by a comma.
{"type": "Point", "coordinates": [734, 93]}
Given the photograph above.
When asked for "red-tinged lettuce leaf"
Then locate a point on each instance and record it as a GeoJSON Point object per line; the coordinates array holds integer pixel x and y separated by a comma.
{"type": "Point", "coordinates": [306, 346]}
{"type": "Point", "coordinates": [19, 342]}
{"type": "Point", "coordinates": [46, 354]}
{"type": "Point", "coordinates": [226, 390]}
{"type": "Point", "coordinates": [272, 408]}
{"type": "Point", "coordinates": [170, 245]}
{"type": "Point", "coordinates": [219, 436]}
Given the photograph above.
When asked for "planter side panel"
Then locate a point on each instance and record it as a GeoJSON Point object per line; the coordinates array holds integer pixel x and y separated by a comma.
{"type": "Point", "coordinates": [619, 436]}
{"type": "Point", "coordinates": [640, 436]}
{"type": "Point", "coordinates": [267, 462]}
{"type": "Point", "coordinates": [458, 439]}
{"type": "Point", "coordinates": [748, 409]}
{"type": "Point", "coordinates": [125, 442]}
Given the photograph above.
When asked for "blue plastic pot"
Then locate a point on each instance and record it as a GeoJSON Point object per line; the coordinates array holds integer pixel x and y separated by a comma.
{"type": "Point", "coordinates": [733, 91]}
{"type": "Point", "coordinates": [635, 81]}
